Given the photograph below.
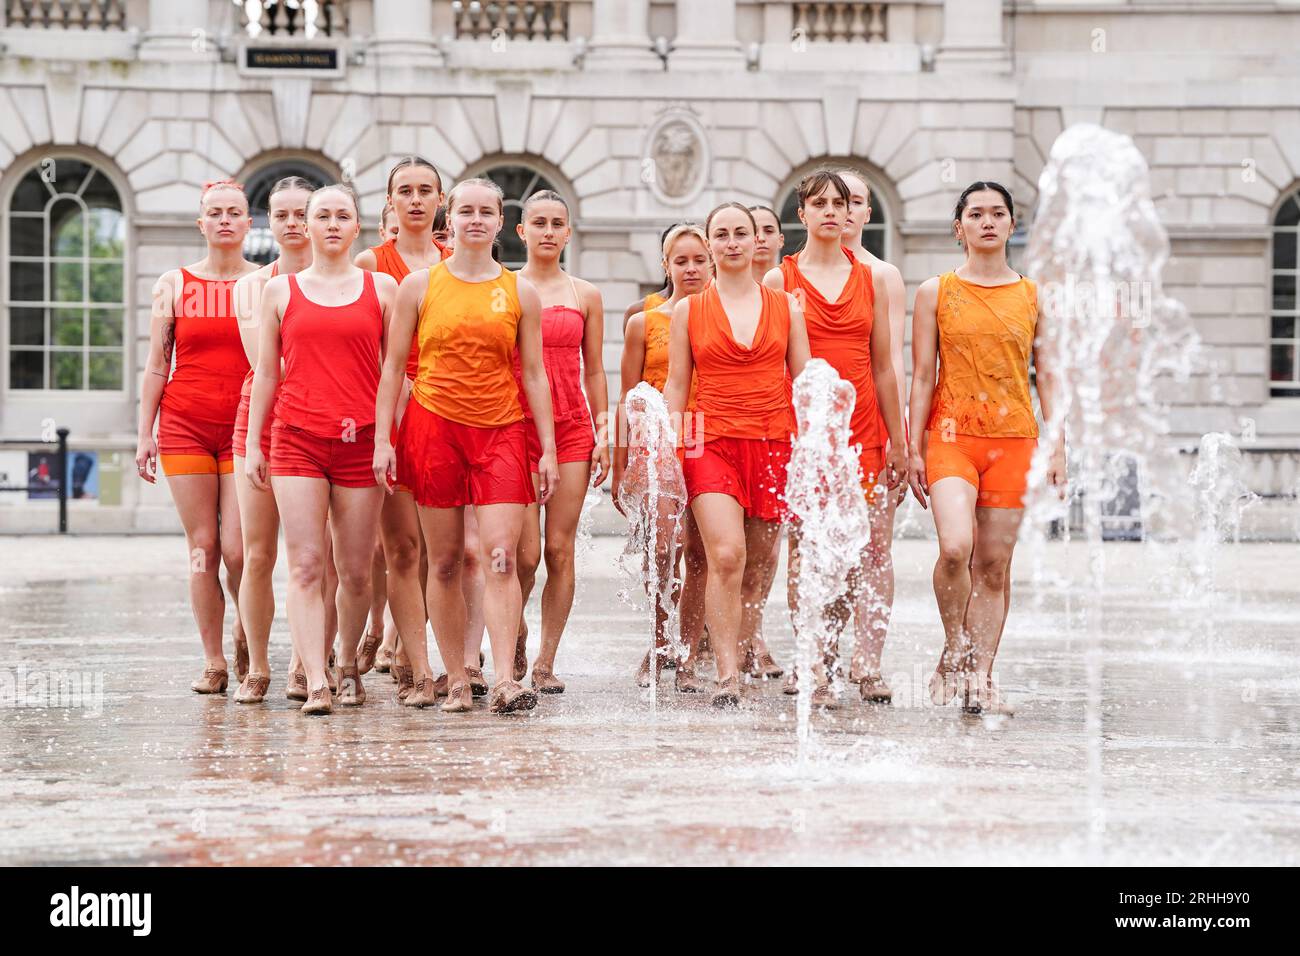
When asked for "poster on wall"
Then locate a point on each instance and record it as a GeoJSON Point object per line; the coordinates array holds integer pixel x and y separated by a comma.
{"type": "Point", "coordinates": [83, 469]}
{"type": "Point", "coordinates": [43, 475]}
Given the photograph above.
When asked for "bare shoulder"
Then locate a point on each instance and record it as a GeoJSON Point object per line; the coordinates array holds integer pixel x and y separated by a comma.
{"type": "Point", "coordinates": [774, 278]}
{"type": "Point", "coordinates": [168, 284]}
{"type": "Point", "coordinates": [384, 283]}
{"type": "Point", "coordinates": [635, 327]}
{"type": "Point", "coordinates": [365, 259]}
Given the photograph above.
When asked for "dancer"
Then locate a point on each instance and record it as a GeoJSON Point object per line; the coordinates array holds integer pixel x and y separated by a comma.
{"type": "Point", "coordinates": [741, 338]}
{"type": "Point", "coordinates": [441, 231]}
{"type": "Point", "coordinates": [258, 517]}
{"type": "Point", "coordinates": [876, 604]}
{"type": "Point", "coordinates": [983, 325]}
{"type": "Point", "coordinates": [414, 193]}
{"type": "Point", "coordinates": [463, 441]}
{"type": "Point", "coordinates": [195, 410]}
{"type": "Point", "coordinates": [388, 225]}
{"type": "Point", "coordinates": [573, 333]}
{"type": "Point", "coordinates": [645, 359]}
{"type": "Point", "coordinates": [847, 315]}
{"type": "Point", "coordinates": [330, 322]}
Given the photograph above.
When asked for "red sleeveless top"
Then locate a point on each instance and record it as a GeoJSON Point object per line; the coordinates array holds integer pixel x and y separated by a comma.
{"type": "Point", "coordinates": [210, 361]}
{"type": "Point", "coordinates": [389, 261]}
{"type": "Point", "coordinates": [331, 362]}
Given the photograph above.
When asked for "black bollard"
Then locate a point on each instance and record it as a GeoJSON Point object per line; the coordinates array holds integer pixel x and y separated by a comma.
{"type": "Point", "coordinates": [63, 480]}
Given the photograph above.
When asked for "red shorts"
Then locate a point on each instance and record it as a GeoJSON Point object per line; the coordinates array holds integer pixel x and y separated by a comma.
{"type": "Point", "coordinates": [872, 462]}
{"type": "Point", "coordinates": [299, 454]}
{"type": "Point", "coordinates": [240, 438]}
{"type": "Point", "coordinates": [574, 441]}
{"type": "Point", "coordinates": [449, 465]}
{"type": "Point", "coordinates": [751, 470]}
{"type": "Point", "coordinates": [997, 467]}
{"type": "Point", "coordinates": [189, 447]}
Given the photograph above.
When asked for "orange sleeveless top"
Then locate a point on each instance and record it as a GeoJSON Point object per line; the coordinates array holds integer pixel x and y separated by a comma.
{"type": "Point", "coordinates": [652, 301]}
{"type": "Point", "coordinates": [466, 335]}
{"type": "Point", "coordinates": [741, 391]}
{"type": "Point", "coordinates": [986, 337]}
{"type": "Point", "coordinates": [840, 333]}
{"type": "Point", "coordinates": [390, 262]}
{"type": "Point", "coordinates": [654, 367]}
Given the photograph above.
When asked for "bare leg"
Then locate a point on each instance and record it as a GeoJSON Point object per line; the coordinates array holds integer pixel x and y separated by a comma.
{"type": "Point", "coordinates": [197, 500]}
{"type": "Point", "coordinates": [721, 521]}
{"type": "Point", "coordinates": [874, 602]}
{"type": "Point", "coordinates": [260, 521]}
{"type": "Point", "coordinates": [472, 585]}
{"type": "Point", "coordinates": [354, 516]}
{"type": "Point", "coordinates": [952, 500]}
{"type": "Point", "coordinates": [399, 527]}
{"type": "Point", "coordinates": [991, 567]}
{"type": "Point", "coordinates": [562, 514]}
{"type": "Point", "coordinates": [498, 528]}
{"type": "Point", "coordinates": [232, 547]}
{"type": "Point", "coordinates": [304, 506]}
{"type": "Point", "coordinates": [445, 537]}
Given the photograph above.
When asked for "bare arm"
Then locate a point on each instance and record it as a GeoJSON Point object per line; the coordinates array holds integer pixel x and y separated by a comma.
{"type": "Point", "coordinates": [888, 393]}
{"type": "Point", "coordinates": [897, 293]}
{"type": "Point", "coordinates": [775, 279]}
{"type": "Point", "coordinates": [593, 364]}
{"type": "Point", "coordinates": [630, 368]}
{"type": "Point", "coordinates": [162, 343]}
{"type": "Point", "coordinates": [247, 295]}
{"type": "Point", "coordinates": [681, 366]}
{"type": "Point", "coordinates": [797, 352]}
{"type": "Point", "coordinates": [1047, 383]}
{"type": "Point", "coordinates": [365, 259]}
{"type": "Point", "coordinates": [925, 353]}
{"type": "Point", "coordinates": [537, 388]}
{"type": "Point", "coordinates": [403, 316]}
{"type": "Point", "coordinates": [266, 376]}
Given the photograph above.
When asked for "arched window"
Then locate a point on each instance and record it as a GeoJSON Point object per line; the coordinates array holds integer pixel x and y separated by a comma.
{"type": "Point", "coordinates": [875, 235]}
{"type": "Point", "coordinates": [259, 245]}
{"type": "Point", "coordinates": [1284, 343]}
{"type": "Point", "coordinates": [518, 183]}
{"type": "Point", "coordinates": [67, 283]}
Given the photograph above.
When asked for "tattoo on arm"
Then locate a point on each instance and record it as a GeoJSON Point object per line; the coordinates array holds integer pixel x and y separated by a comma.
{"type": "Point", "coordinates": [169, 340]}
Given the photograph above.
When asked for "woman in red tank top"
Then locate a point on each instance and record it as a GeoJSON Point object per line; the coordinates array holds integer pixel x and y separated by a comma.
{"type": "Point", "coordinates": [195, 410]}
{"type": "Point", "coordinates": [258, 517]}
{"type": "Point", "coordinates": [573, 333]}
{"type": "Point", "coordinates": [741, 339]}
{"type": "Point", "coordinates": [846, 313]}
{"type": "Point", "coordinates": [329, 322]}
{"type": "Point", "coordinates": [415, 194]}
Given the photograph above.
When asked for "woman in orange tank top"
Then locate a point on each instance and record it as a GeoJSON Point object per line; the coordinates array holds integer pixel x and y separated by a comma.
{"type": "Point", "coordinates": [865, 667]}
{"type": "Point", "coordinates": [258, 516]}
{"type": "Point", "coordinates": [654, 299]}
{"type": "Point", "coordinates": [846, 313]}
{"type": "Point", "coordinates": [463, 442]}
{"type": "Point", "coordinates": [982, 324]}
{"type": "Point", "coordinates": [573, 333]}
{"type": "Point", "coordinates": [415, 194]}
{"type": "Point", "coordinates": [195, 407]}
{"type": "Point", "coordinates": [645, 359]}
{"type": "Point", "coordinates": [741, 339]}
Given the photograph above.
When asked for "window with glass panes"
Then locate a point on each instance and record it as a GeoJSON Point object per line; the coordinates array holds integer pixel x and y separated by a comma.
{"type": "Point", "coordinates": [1284, 340]}
{"type": "Point", "coordinates": [66, 289]}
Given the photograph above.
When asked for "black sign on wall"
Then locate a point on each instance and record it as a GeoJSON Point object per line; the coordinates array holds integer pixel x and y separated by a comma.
{"type": "Point", "coordinates": [282, 58]}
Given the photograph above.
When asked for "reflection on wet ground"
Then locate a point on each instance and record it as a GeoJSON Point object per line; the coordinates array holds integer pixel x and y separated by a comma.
{"type": "Point", "coordinates": [1200, 722]}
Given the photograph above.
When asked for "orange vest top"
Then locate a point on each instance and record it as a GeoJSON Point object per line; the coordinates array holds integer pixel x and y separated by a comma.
{"type": "Point", "coordinates": [652, 301]}
{"type": "Point", "coordinates": [390, 262]}
{"type": "Point", "coordinates": [466, 336]}
{"type": "Point", "coordinates": [654, 368]}
{"type": "Point", "coordinates": [741, 391]}
{"type": "Point", "coordinates": [840, 333]}
{"type": "Point", "coordinates": [986, 337]}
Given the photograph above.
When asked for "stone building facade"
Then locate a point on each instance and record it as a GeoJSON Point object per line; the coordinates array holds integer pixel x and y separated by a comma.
{"type": "Point", "coordinates": [114, 112]}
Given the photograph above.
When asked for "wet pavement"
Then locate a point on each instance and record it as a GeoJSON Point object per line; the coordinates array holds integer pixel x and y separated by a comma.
{"type": "Point", "coordinates": [1198, 759]}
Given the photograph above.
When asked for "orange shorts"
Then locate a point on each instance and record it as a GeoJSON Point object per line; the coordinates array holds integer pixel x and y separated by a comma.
{"type": "Point", "coordinates": [872, 462]}
{"type": "Point", "coordinates": [189, 447]}
{"type": "Point", "coordinates": [751, 470]}
{"type": "Point", "coordinates": [997, 467]}
{"type": "Point", "coordinates": [446, 464]}
{"type": "Point", "coordinates": [574, 441]}
{"type": "Point", "coordinates": [299, 454]}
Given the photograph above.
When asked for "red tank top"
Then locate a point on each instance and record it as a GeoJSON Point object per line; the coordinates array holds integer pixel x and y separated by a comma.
{"type": "Point", "coordinates": [210, 360]}
{"type": "Point", "coordinates": [389, 261]}
{"type": "Point", "coordinates": [741, 391]}
{"type": "Point", "coordinates": [331, 362]}
{"type": "Point", "coordinates": [840, 333]}
{"type": "Point", "coordinates": [562, 331]}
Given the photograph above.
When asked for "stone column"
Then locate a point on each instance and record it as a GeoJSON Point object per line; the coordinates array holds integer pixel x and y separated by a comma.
{"type": "Point", "coordinates": [179, 30]}
{"type": "Point", "coordinates": [404, 34]}
{"type": "Point", "coordinates": [972, 36]}
{"type": "Point", "coordinates": [620, 36]}
{"type": "Point", "coordinates": [706, 37]}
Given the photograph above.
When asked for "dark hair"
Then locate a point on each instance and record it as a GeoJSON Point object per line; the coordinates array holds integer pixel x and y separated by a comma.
{"type": "Point", "coordinates": [290, 182]}
{"type": "Point", "coordinates": [413, 161]}
{"type": "Point", "coordinates": [767, 209]}
{"type": "Point", "coordinates": [729, 205]}
{"type": "Point", "coordinates": [816, 181]}
{"type": "Point", "coordinates": [496, 250]}
{"type": "Point", "coordinates": [976, 187]}
{"type": "Point", "coordinates": [440, 219]}
{"type": "Point", "coordinates": [546, 195]}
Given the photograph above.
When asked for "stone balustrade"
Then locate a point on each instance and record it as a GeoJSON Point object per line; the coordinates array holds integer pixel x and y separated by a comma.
{"type": "Point", "coordinates": [66, 14]}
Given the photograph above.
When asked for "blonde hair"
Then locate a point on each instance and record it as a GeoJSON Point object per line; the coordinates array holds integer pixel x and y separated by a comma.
{"type": "Point", "coordinates": [341, 187]}
{"type": "Point", "coordinates": [685, 229]}
{"type": "Point", "coordinates": [477, 181]}
{"type": "Point", "coordinates": [221, 184]}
